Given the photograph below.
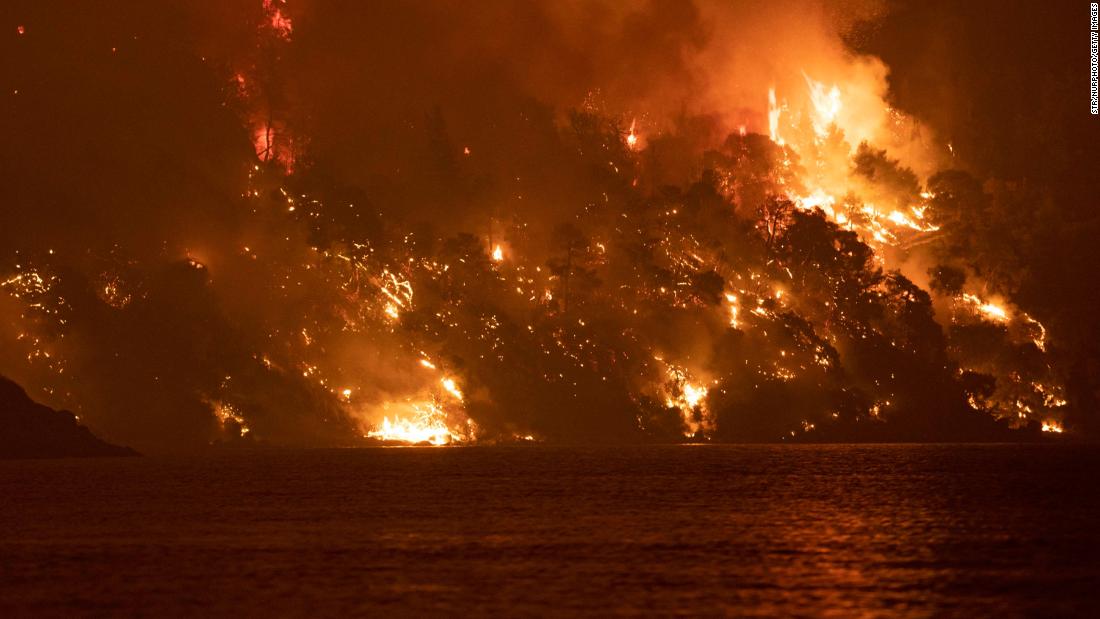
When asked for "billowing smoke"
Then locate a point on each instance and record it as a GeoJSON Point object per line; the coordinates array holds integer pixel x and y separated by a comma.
{"type": "Point", "coordinates": [306, 222]}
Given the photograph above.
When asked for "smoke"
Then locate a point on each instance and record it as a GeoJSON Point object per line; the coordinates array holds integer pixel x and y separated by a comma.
{"type": "Point", "coordinates": [273, 220]}
{"type": "Point", "coordinates": [367, 76]}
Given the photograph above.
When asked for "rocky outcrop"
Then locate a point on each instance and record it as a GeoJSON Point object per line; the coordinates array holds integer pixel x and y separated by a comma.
{"type": "Point", "coordinates": [31, 430]}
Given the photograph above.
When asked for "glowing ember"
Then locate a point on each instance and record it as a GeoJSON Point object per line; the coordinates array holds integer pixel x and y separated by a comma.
{"type": "Point", "coordinates": [262, 142]}
{"type": "Point", "coordinates": [279, 22]}
{"type": "Point", "coordinates": [397, 292]}
{"type": "Point", "coordinates": [227, 415]}
{"type": "Point", "coordinates": [1040, 338]}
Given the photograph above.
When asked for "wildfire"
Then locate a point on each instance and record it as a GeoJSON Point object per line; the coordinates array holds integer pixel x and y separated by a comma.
{"type": "Point", "coordinates": [1052, 426]}
{"type": "Point", "coordinates": [427, 419]}
{"type": "Point", "coordinates": [817, 199]}
{"type": "Point", "coordinates": [227, 415]}
{"type": "Point", "coordinates": [374, 280]}
{"type": "Point", "coordinates": [28, 284]}
{"type": "Point", "coordinates": [280, 23]}
{"type": "Point", "coordinates": [397, 292]}
{"type": "Point", "coordinates": [826, 103]}
{"type": "Point", "coordinates": [690, 399]}
{"type": "Point", "coordinates": [827, 180]}
{"type": "Point", "coordinates": [631, 136]}
{"type": "Point", "coordinates": [422, 422]}
{"type": "Point", "coordinates": [990, 310]}
{"type": "Point", "coordinates": [1040, 337]}
{"type": "Point", "coordinates": [773, 117]}
{"type": "Point", "coordinates": [451, 387]}
{"type": "Point", "coordinates": [732, 300]}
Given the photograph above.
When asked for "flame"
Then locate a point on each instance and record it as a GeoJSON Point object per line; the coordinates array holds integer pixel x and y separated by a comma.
{"type": "Point", "coordinates": [874, 227]}
{"type": "Point", "coordinates": [423, 422]}
{"type": "Point", "coordinates": [1040, 339]}
{"type": "Point", "coordinates": [817, 199]}
{"type": "Point", "coordinates": [631, 136]}
{"type": "Point", "coordinates": [225, 413]}
{"type": "Point", "coordinates": [1052, 426]}
{"type": "Point", "coordinates": [732, 300]}
{"type": "Point", "coordinates": [397, 292]}
{"type": "Point", "coordinates": [690, 398]}
{"type": "Point", "coordinates": [498, 254]}
{"type": "Point", "coordinates": [773, 118]}
{"type": "Point", "coordinates": [427, 419]}
{"type": "Point", "coordinates": [990, 310]}
{"type": "Point", "coordinates": [827, 104]}
{"type": "Point", "coordinates": [827, 177]}
{"type": "Point", "coordinates": [451, 387]}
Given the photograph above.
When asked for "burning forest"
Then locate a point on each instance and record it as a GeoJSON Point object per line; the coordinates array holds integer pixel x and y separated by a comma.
{"type": "Point", "coordinates": [282, 222]}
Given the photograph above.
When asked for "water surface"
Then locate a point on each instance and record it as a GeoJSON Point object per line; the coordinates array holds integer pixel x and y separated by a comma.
{"type": "Point", "coordinates": [891, 530]}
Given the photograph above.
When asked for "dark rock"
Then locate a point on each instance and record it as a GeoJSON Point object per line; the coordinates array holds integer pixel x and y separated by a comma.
{"type": "Point", "coordinates": [31, 430]}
